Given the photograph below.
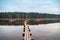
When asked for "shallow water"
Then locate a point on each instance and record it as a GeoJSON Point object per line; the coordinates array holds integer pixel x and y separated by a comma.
{"type": "Point", "coordinates": [39, 32]}
{"type": "Point", "coordinates": [11, 32]}
{"type": "Point", "coordinates": [46, 32]}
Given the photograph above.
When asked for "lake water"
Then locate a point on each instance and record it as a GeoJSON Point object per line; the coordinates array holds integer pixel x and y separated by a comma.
{"type": "Point", "coordinates": [39, 32]}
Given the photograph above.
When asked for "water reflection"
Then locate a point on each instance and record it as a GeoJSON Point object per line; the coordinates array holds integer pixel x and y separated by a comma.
{"type": "Point", "coordinates": [46, 32]}
{"type": "Point", "coordinates": [39, 32]}
{"type": "Point", "coordinates": [11, 32]}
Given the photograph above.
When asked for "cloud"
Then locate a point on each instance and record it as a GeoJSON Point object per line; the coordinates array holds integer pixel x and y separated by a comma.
{"type": "Point", "coordinates": [47, 6]}
{"type": "Point", "coordinates": [50, 9]}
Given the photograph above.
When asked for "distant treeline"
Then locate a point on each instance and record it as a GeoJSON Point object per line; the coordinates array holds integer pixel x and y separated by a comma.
{"type": "Point", "coordinates": [28, 15]}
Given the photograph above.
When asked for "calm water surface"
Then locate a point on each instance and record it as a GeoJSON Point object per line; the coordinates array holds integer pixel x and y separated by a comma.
{"type": "Point", "coordinates": [39, 32]}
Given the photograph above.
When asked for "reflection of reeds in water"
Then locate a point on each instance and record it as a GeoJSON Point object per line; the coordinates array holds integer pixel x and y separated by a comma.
{"type": "Point", "coordinates": [21, 22]}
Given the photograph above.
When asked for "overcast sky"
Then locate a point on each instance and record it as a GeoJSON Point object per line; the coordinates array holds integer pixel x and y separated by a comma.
{"type": "Point", "coordinates": [47, 6]}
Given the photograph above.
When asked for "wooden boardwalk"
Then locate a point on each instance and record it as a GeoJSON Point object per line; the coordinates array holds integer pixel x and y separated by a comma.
{"type": "Point", "coordinates": [27, 32]}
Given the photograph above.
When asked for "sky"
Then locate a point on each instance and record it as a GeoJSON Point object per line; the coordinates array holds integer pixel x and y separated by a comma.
{"type": "Point", "coordinates": [41, 6]}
